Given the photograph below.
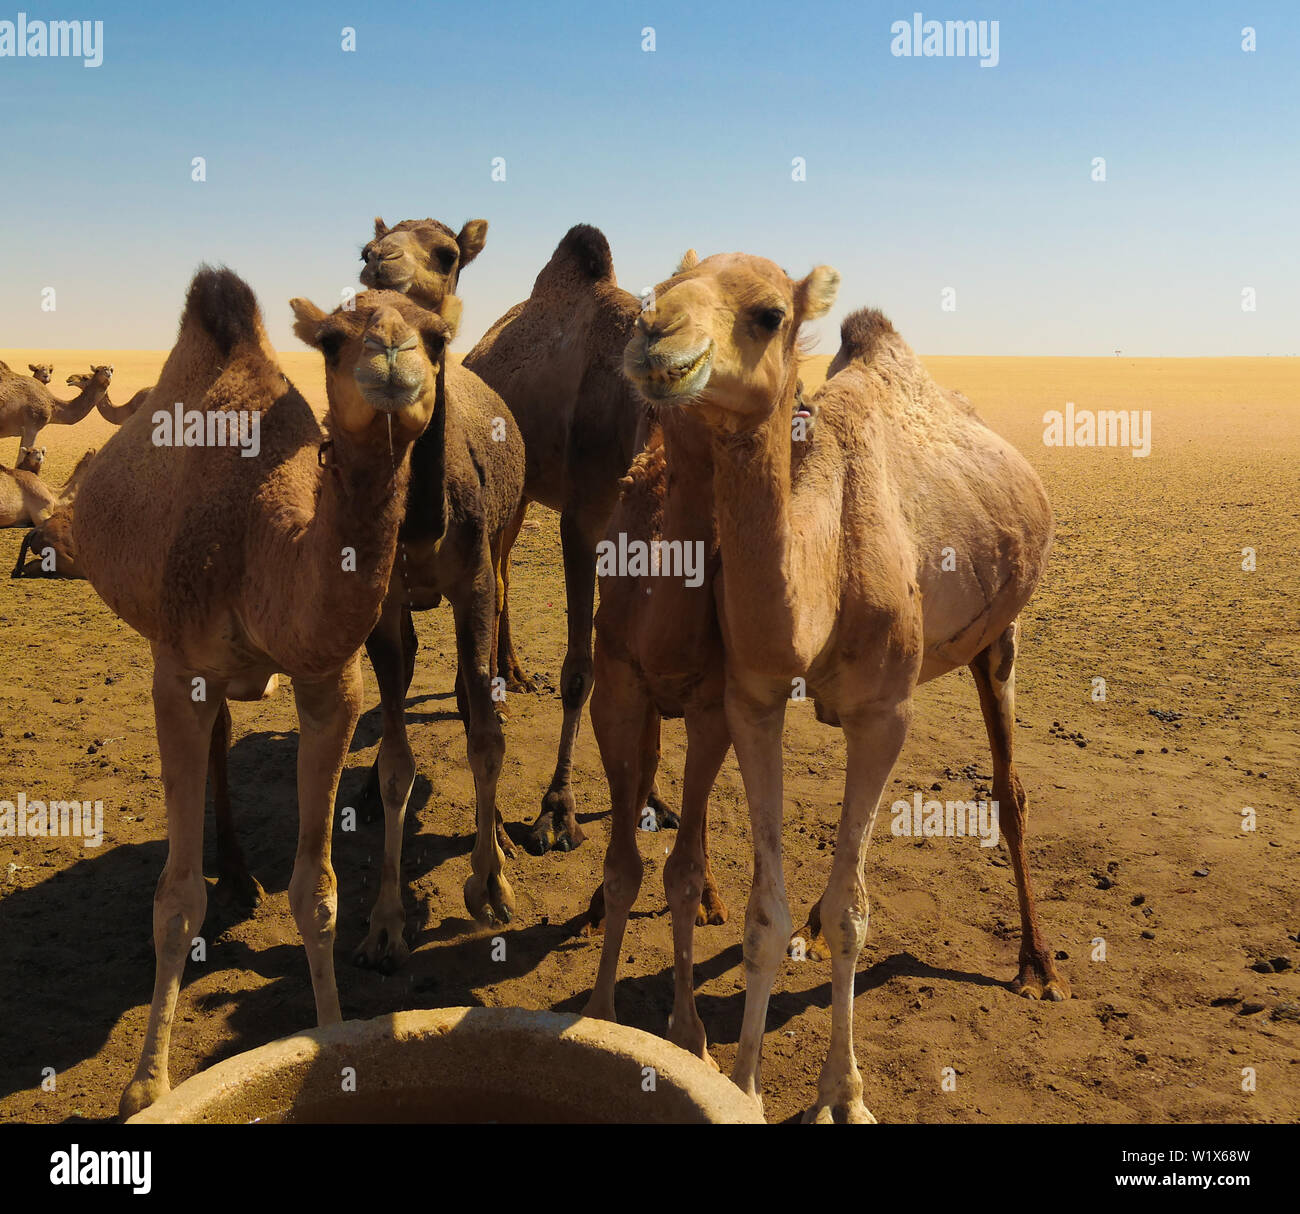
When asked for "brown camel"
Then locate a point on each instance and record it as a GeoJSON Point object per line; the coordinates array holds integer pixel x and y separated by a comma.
{"type": "Point", "coordinates": [836, 575]}
{"type": "Point", "coordinates": [237, 569]}
{"type": "Point", "coordinates": [659, 653]}
{"type": "Point", "coordinates": [27, 406]}
{"type": "Point", "coordinates": [44, 372]}
{"type": "Point", "coordinates": [556, 359]}
{"type": "Point", "coordinates": [421, 258]}
{"type": "Point", "coordinates": [110, 412]}
{"type": "Point", "coordinates": [467, 476]}
{"type": "Point", "coordinates": [51, 541]}
{"type": "Point", "coordinates": [26, 499]}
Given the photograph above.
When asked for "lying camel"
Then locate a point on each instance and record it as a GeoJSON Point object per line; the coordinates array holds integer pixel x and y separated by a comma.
{"type": "Point", "coordinates": [26, 499]}
{"type": "Point", "coordinates": [834, 576]}
{"type": "Point", "coordinates": [238, 569]}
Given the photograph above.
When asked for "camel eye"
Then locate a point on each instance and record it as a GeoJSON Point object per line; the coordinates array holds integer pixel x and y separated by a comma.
{"type": "Point", "coordinates": [770, 319]}
{"type": "Point", "coordinates": [446, 259]}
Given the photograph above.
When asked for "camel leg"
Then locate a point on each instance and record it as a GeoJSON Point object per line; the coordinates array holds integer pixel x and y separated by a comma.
{"type": "Point", "coordinates": [184, 730]}
{"type": "Point", "coordinates": [756, 734]}
{"type": "Point", "coordinates": [384, 947]}
{"type": "Point", "coordinates": [556, 826]}
{"type": "Point", "coordinates": [626, 726]}
{"type": "Point", "coordinates": [507, 663]}
{"type": "Point", "coordinates": [874, 741]}
{"type": "Point", "coordinates": [406, 644]}
{"type": "Point", "coordinates": [327, 716]}
{"type": "Point", "coordinates": [712, 911]}
{"type": "Point", "coordinates": [687, 875]}
{"type": "Point", "coordinates": [995, 678]}
{"type": "Point", "coordinates": [488, 896]}
{"type": "Point", "coordinates": [236, 886]}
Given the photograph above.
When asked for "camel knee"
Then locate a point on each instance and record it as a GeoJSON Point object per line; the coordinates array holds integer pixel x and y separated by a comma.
{"type": "Point", "coordinates": [313, 896]}
{"type": "Point", "coordinates": [575, 682]}
{"type": "Point", "coordinates": [684, 877]}
{"type": "Point", "coordinates": [767, 930]}
{"type": "Point", "coordinates": [179, 904]}
{"type": "Point", "coordinates": [487, 749]}
{"type": "Point", "coordinates": [845, 915]}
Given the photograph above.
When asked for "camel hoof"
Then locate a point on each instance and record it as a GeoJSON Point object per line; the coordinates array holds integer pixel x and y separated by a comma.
{"type": "Point", "coordinates": [548, 835]}
{"type": "Point", "coordinates": [517, 681]}
{"type": "Point", "coordinates": [665, 818]}
{"type": "Point", "coordinates": [140, 1094]}
{"type": "Point", "coordinates": [239, 890]}
{"type": "Point", "coordinates": [383, 949]}
{"type": "Point", "coordinates": [505, 842]}
{"type": "Point", "coordinates": [1040, 982]}
{"type": "Point", "coordinates": [812, 943]}
{"type": "Point", "coordinates": [600, 1009]}
{"type": "Point", "coordinates": [489, 901]}
{"type": "Point", "coordinates": [848, 1112]}
{"type": "Point", "coordinates": [712, 911]}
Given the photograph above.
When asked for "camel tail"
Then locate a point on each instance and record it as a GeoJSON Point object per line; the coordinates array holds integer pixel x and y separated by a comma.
{"type": "Point", "coordinates": [585, 249]}
{"type": "Point", "coordinates": [223, 306]}
{"type": "Point", "coordinates": [862, 332]}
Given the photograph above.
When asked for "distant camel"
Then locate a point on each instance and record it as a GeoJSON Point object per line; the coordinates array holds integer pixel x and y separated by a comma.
{"type": "Point", "coordinates": [110, 412]}
{"type": "Point", "coordinates": [25, 498]}
{"type": "Point", "coordinates": [239, 569]}
{"type": "Point", "coordinates": [834, 576]}
{"type": "Point", "coordinates": [44, 372]}
{"type": "Point", "coordinates": [27, 407]}
{"type": "Point", "coordinates": [51, 540]}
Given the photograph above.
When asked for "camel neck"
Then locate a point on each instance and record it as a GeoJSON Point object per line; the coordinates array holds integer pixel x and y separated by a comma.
{"type": "Point", "coordinates": [425, 517]}
{"type": "Point", "coordinates": [772, 609]}
{"type": "Point", "coordinates": [68, 412]}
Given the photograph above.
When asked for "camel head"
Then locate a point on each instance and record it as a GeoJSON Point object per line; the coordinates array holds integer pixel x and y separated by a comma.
{"type": "Point", "coordinates": [77, 379]}
{"type": "Point", "coordinates": [421, 258]}
{"type": "Point", "coordinates": [99, 377]}
{"type": "Point", "coordinates": [722, 334]}
{"type": "Point", "coordinates": [30, 459]}
{"type": "Point", "coordinates": [42, 371]}
{"type": "Point", "coordinates": [382, 359]}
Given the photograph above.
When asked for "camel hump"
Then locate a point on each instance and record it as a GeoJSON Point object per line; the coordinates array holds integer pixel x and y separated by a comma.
{"type": "Point", "coordinates": [223, 305]}
{"type": "Point", "coordinates": [583, 248]}
{"type": "Point", "coordinates": [862, 332]}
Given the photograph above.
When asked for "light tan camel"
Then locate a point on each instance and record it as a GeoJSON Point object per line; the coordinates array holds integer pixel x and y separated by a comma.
{"type": "Point", "coordinates": [53, 546]}
{"type": "Point", "coordinates": [110, 412]}
{"type": "Point", "coordinates": [27, 406]}
{"type": "Point", "coordinates": [238, 569]}
{"type": "Point", "coordinates": [44, 372]}
{"type": "Point", "coordinates": [26, 499]}
{"type": "Point", "coordinates": [833, 558]}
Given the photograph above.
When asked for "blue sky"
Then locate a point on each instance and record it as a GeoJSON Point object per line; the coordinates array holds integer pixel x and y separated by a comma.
{"type": "Point", "coordinates": [923, 173]}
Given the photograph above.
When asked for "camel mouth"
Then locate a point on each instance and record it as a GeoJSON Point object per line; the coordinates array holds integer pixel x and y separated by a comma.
{"type": "Point", "coordinates": [680, 378]}
{"type": "Point", "coordinates": [387, 274]}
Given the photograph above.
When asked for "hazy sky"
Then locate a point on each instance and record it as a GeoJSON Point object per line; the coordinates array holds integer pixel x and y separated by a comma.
{"type": "Point", "coordinates": [922, 173]}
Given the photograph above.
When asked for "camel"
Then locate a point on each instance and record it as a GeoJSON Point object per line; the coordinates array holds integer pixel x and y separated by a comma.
{"type": "Point", "coordinates": [26, 499]}
{"type": "Point", "coordinates": [421, 258]}
{"type": "Point", "coordinates": [44, 372]}
{"type": "Point", "coordinates": [110, 412]}
{"type": "Point", "coordinates": [467, 478]}
{"type": "Point", "coordinates": [556, 360]}
{"type": "Point", "coordinates": [239, 569]}
{"type": "Point", "coordinates": [659, 653]}
{"type": "Point", "coordinates": [833, 573]}
{"type": "Point", "coordinates": [52, 544]}
{"type": "Point", "coordinates": [27, 406]}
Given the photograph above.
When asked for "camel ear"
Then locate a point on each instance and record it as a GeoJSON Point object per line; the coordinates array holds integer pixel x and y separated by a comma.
{"type": "Point", "coordinates": [690, 259]}
{"type": "Point", "coordinates": [32, 367]}
{"type": "Point", "coordinates": [472, 238]}
{"type": "Point", "coordinates": [450, 310]}
{"type": "Point", "coordinates": [306, 325]}
{"type": "Point", "coordinates": [381, 228]}
{"type": "Point", "coordinates": [817, 292]}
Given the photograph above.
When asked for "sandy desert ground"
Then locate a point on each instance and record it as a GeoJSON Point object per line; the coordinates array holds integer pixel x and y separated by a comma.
{"type": "Point", "coordinates": [1136, 832]}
